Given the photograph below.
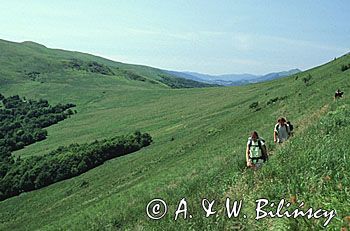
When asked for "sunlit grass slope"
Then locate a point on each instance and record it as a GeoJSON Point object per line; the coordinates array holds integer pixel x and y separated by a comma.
{"type": "Point", "coordinates": [198, 151]}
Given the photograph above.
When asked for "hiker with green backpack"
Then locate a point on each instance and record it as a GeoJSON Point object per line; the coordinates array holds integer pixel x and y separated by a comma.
{"type": "Point", "coordinates": [256, 152]}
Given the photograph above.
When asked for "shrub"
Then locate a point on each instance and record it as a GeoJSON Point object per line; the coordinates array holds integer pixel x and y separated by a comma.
{"type": "Point", "coordinates": [254, 105]}
{"type": "Point", "coordinates": [307, 79]}
{"type": "Point", "coordinates": [22, 121]}
{"type": "Point", "coordinates": [345, 67]}
{"type": "Point", "coordinates": [276, 99]}
{"type": "Point", "coordinates": [65, 162]}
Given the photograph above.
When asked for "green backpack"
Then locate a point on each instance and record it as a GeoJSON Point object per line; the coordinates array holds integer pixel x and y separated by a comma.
{"type": "Point", "coordinates": [264, 155]}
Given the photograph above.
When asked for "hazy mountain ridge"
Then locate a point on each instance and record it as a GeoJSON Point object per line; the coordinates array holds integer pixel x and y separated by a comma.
{"type": "Point", "coordinates": [233, 79]}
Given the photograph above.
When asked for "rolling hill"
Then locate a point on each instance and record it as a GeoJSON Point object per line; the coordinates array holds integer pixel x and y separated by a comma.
{"type": "Point", "coordinates": [35, 62]}
{"type": "Point", "coordinates": [199, 137]}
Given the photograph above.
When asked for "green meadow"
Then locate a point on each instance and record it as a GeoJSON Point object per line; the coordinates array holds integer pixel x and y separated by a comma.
{"type": "Point", "coordinates": [198, 151]}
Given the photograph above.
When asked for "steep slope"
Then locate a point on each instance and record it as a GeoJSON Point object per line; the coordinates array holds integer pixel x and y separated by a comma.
{"type": "Point", "coordinates": [198, 151]}
{"type": "Point", "coordinates": [311, 170]}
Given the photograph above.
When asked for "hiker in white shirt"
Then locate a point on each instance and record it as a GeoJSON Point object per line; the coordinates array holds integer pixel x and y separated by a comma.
{"type": "Point", "coordinates": [281, 131]}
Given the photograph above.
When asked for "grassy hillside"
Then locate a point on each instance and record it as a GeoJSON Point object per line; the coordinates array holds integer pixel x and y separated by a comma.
{"type": "Point", "coordinates": [31, 61]}
{"type": "Point", "coordinates": [198, 151]}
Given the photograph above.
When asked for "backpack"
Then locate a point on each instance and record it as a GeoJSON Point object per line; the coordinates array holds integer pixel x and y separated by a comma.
{"type": "Point", "coordinates": [290, 126]}
{"type": "Point", "coordinates": [264, 156]}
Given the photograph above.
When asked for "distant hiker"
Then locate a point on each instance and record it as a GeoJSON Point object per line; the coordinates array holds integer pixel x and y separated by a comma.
{"type": "Point", "coordinates": [281, 131]}
{"type": "Point", "coordinates": [256, 152]}
{"type": "Point", "coordinates": [338, 94]}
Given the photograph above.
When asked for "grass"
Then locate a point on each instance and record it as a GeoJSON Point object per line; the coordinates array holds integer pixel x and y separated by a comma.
{"type": "Point", "coordinates": [198, 150]}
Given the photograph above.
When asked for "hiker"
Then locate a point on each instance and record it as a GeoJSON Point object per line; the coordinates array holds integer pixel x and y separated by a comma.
{"type": "Point", "coordinates": [338, 94]}
{"type": "Point", "coordinates": [256, 152]}
{"type": "Point", "coordinates": [281, 131]}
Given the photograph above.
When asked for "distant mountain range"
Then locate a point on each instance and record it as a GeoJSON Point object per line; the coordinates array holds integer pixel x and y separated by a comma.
{"type": "Point", "coordinates": [232, 79]}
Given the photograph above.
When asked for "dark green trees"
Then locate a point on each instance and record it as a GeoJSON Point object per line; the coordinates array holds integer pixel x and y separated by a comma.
{"type": "Point", "coordinates": [22, 121]}
{"type": "Point", "coordinates": [66, 162]}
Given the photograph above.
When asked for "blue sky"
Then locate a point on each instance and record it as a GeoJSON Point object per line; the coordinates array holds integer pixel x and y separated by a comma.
{"type": "Point", "coordinates": [214, 37]}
